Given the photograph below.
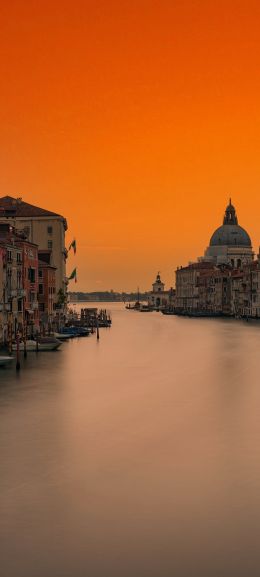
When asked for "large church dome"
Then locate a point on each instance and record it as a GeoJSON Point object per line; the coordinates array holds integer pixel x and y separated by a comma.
{"type": "Point", "coordinates": [230, 233]}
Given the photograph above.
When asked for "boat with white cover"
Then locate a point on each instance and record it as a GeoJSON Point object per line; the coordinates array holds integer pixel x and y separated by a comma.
{"type": "Point", "coordinates": [5, 360]}
{"type": "Point", "coordinates": [44, 344]}
{"type": "Point", "coordinates": [64, 336]}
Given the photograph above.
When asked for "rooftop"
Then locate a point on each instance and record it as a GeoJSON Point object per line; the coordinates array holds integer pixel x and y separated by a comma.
{"type": "Point", "coordinates": [16, 207]}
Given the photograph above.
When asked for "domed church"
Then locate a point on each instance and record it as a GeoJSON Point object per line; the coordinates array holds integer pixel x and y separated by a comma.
{"type": "Point", "coordinates": [230, 243]}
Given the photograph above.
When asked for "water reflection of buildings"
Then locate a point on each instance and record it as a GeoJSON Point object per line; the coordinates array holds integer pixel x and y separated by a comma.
{"type": "Point", "coordinates": [226, 280]}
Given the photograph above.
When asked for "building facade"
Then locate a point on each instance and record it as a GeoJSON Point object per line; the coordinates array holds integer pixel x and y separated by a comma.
{"type": "Point", "coordinates": [159, 298]}
{"type": "Point", "coordinates": [30, 285]}
{"type": "Point", "coordinates": [46, 295]}
{"type": "Point", "coordinates": [18, 283]}
{"type": "Point", "coordinates": [226, 280]}
{"type": "Point", "coordinates": [43, 228]}
{"type": "Point", "coordinates": [11, 292]}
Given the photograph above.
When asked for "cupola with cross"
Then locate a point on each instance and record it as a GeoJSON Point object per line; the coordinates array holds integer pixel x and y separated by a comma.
{"type": "Point", "coordinates": [158, 285]}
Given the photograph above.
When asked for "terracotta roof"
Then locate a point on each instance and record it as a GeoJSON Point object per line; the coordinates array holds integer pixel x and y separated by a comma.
{"type": "Point", "coordinates": [199, 265]}
{"type": "Point", "coordinates": [43, 264]}
{"type": "Point", "coordinates": [10, 206]}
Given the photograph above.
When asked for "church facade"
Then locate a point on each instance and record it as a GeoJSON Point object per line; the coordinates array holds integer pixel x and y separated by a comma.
{"type": "Point", "coordinates": [159, 298]}
{"type": "Point", "coordinates": [226, 280]}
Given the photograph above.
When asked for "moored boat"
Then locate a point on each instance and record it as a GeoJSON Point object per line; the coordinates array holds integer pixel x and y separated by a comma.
{"type": "Point", "coordinates": [145, 309]}
{"type": "Point", "coordinates": [75, 331]}
{"type": "Point", "coordinates": [64, 336]}
{"type": "Point", "coordinates": [44, 344]}
{"type": "Point", "coordinates": [168, 312]}
{"type": "Point", "coordinates": [5, 360]}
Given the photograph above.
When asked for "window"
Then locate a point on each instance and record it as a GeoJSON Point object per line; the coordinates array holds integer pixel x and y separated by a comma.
{"type": "Point", "coordinates": [20, 305]}
{"type": "Point", "coordinates": [40, 289]}
{"type": "Point", "coordinates": [19, 279]}
{"type": "Point", "coordinates": [9, 256]}
{"type": "Point", "coordinates": [9, 279]}
{"type": "Point", "coordinates": [31, 275]}
{"type": "Point", "coordinates": [41, 307]}
{"type": "Point", "coordinates": [19, 257]}
{"type": "Point", "coordinates": [40, 273]}
{"type": "Point", "coordinates": [32, 297]}
{"type": "Point", "coordinates": [50, 244]}
{"type": "Point", "coordinates": [49, 229]}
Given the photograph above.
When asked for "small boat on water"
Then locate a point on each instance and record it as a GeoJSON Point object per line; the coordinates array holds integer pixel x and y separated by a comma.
{"type": "Point", "coordinates": [135, 307]}
{"type": "Point", "coordinates": [64, 336]}
{"type": "Point", "coordinates": [168, 312]}
{"type": "Point", "coordinates": [75, 331]}
{"type": "Point", "coordinates": [5, 360]}
{"type": "Point", "coordinates": [145, 309]}
{"type": "Point", "coordinates": [44, 344]}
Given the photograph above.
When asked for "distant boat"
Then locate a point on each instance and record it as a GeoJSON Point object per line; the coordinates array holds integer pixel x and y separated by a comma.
{"type": "Point", "coordinates": [5, 360]}
{"type": "Point", "coordinates": [168, 312]}
{"type": "Point", "coordinates": [75, 331]}
{"type": "Point", "coordinates": [145, 309]}
{"type": "Point", "coordinates": [135, 307]}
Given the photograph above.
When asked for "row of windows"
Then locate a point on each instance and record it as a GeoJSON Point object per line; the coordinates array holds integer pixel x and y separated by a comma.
{"type": "Point", "coordinates": [42, 307]}
{"type": "Point", "coordinates": [10, 256]}
{"type": "Point", "coordinates": [52, 289]}
{"type": "Point", "coordinates": [19, 254]}
{"type": "Point", "coordinates": [27, 230]}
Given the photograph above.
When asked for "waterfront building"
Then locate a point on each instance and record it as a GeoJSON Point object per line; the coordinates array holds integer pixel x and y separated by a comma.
{"type": "Point", "coordinates": [11, 291]}
{"type": "Point", "coordinates": [19, 282]}
{"type": "Point", "coordinates": [214, 290]}
{"type": "Point", "coordinates": [159, 298]}
{"type": "Point", "coordinates": [30, 284]}
{"type": "Point", "coordinates": [46, 295]}
{"type": "Point", "coordinates": [44, 228]}
{"type": "Point", "coordinates": [227, 279]}
{"type": "Point", "coordinates": [187, 286]}
{"type": "Point", "coordinates": [245, 291]}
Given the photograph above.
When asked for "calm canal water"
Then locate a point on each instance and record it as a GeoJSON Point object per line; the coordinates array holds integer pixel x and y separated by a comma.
{"type": "Point", "coordinates": [135, 456]}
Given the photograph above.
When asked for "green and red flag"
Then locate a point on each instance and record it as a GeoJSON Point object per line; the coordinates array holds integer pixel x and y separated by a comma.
{"type": "Point", "coordinates": [73, 245]}
{"type": "Point", "coordinates": [73, 275]}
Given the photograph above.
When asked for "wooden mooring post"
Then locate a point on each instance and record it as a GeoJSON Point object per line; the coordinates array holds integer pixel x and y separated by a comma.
{"type": "Point", "coordinates": [18, 364]}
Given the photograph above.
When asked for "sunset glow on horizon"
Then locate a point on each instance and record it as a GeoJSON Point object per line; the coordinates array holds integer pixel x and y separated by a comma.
{"type": "Point", "coordinates": [137, 121]}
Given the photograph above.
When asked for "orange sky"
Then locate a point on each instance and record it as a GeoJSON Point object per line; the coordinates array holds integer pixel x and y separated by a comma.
{"type": "Point", "coordinates": [135, 119]}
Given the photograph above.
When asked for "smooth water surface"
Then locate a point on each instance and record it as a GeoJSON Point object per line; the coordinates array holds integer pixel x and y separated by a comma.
{"type": "Point", "coordinates": [134, 456]}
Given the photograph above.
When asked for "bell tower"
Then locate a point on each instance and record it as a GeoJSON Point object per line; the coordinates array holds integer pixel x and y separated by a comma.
{"type": "Point", "coordinates": [158, 285]}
